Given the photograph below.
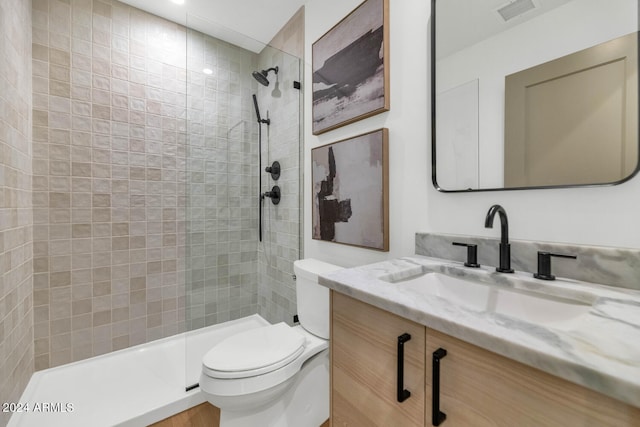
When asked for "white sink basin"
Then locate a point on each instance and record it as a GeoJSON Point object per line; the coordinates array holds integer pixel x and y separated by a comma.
{"type": "Point", "coordinates": [532, 307]}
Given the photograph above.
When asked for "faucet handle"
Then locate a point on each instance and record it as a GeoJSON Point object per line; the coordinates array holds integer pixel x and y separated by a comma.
{"type": "Point", "coordinates": [544, 264]}
{"type": "Point", "coordinates": [472, 254]}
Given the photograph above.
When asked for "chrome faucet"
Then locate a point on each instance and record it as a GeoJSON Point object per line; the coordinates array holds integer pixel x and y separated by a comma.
{"type": "Point", "coordinates": [505, 247]}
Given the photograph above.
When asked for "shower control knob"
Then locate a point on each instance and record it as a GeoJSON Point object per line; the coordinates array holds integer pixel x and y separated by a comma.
{"type": "Point", "coordinates": [274, 170]}
{"type": "Point", "coordinates": [274, 194]}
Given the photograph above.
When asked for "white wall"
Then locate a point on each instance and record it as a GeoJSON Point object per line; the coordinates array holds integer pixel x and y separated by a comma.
{"type": "Point", "coordinates": [407, 123]}
{"type": "Point", "coordinates": [607, 216]}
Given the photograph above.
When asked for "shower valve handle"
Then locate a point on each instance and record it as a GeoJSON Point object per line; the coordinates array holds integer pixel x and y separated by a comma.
{"type": "Point", "coordinates": [274, 170]}
{"type": "Point", "coordinates": [274, 194]}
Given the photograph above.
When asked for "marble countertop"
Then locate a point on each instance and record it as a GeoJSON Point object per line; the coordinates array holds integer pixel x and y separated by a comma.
{"type": "Point", "coordinates": [599, 350]}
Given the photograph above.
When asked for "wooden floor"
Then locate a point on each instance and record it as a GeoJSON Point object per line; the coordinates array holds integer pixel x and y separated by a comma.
{"type": "Point", "coordinates": [204, 415]}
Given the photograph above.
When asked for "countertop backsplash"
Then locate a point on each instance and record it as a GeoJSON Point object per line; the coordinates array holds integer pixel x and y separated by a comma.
{"type": "Point", "coordinates": [618, 267]}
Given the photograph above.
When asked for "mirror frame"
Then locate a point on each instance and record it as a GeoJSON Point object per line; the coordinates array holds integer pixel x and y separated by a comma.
{"type": "Point", "coordinates": [433, 128]}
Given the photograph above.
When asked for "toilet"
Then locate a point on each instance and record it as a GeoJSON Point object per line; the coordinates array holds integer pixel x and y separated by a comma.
{"type": "Point", "coordinates": [276, 375]}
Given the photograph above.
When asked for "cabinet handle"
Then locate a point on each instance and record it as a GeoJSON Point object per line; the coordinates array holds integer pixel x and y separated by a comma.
{"type": "Point", "coordinates": [402, 393]}
{"type": "Point", "coordinates": [437, 417]}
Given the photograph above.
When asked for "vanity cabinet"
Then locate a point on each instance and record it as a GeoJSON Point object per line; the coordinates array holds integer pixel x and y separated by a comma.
{"type": "Point", "coordinates": [477, 388]}
{"type": "Point", "coordinates": [364, 366]}
{"type": "Point", "coordinates": [480, 388]}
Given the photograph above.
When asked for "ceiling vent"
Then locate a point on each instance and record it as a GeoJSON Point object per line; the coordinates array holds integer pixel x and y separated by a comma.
{"type": "Point", "coordinates": [516, 8]}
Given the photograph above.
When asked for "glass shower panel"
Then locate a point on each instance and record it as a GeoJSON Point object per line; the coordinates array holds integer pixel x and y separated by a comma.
{"type": "Point", "coordinates": [223, 280]}
{"type": "Point", "coordinates": [221, 163]}
{"type": "Point", "coordinates": [281, 243]}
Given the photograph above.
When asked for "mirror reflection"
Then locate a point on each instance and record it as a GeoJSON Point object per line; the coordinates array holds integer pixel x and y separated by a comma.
{"type": "Point", "coordinates": [534, 93]}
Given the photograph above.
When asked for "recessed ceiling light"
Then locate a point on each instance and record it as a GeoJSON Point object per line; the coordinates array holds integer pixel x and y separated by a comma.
{"type": "Point", "coordinates": [207, 71]}
{"type": "Point", "coordinates": [178, 1]}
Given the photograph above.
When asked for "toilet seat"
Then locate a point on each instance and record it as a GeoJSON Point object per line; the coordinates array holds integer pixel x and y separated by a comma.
{"type": "Point", "coordinates": [269, 382]}
{"type": "Point", "coordinates": [254, 352]}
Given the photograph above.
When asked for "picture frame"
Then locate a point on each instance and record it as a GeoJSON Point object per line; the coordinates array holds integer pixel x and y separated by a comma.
{"type": "Point", "coordinates": [350, 191]}
{"type": "Point", "coordinates": [350, 66]}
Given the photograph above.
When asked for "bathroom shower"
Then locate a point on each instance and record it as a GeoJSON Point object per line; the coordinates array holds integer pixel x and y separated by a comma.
{"type": "Point", "coordinates": [165, 218]}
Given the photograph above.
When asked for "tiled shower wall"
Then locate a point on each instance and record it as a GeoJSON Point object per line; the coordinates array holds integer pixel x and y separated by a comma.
{"type": "Point", "coordinates": [281, 244]}
{"type": "Point", "coordinates": [109, 160]}
{"type": "Point", "coordinates": [130, 238]}
{"type": "Point", "coordinates": [222, 207]}
{"type": "Point", "coordinates": [16, 260]}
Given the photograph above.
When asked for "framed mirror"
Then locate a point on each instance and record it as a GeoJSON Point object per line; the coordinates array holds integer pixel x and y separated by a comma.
{"type": "Point", "coordinates": [533, 93]}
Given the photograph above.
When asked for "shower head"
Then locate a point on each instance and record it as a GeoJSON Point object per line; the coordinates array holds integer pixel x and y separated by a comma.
{"type": "Point", "coordinates": [261, 76]}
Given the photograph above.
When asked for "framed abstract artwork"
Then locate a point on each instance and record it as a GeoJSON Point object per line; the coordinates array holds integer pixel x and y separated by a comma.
{"type": "Point", "coordinates": [351, 191]}
{"type": "Point", "coordinates": [351, 68]}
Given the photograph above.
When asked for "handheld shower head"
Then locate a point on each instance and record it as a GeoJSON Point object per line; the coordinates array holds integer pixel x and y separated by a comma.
{"type": "Point", "coordinates": [258, 116]}
{"type": "Point", "coordinates": [261, 76]}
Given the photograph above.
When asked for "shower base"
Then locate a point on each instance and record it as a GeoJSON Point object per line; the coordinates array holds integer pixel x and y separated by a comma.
{"type": "Point", "coordinates": [136, 386]}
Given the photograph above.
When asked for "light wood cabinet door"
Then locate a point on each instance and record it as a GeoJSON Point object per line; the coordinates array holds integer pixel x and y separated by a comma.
{"type": "Point", "coordinates": [479, 388]}
{"type": "Point", "coordinates": [364, 366]}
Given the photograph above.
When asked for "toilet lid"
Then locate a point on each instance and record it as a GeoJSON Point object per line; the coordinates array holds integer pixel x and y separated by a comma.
{"type": "Point", "coordinates": [254, 352]}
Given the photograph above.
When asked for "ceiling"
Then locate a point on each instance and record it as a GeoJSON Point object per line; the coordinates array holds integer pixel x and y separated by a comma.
{"type": "Point", "coordinates": [463, 23]}
{"type": "Point", "coordinates": [250, 24]}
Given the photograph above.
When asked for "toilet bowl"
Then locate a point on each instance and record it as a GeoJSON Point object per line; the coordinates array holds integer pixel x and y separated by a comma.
{"type": "Point", "coordinates": [276, 375]}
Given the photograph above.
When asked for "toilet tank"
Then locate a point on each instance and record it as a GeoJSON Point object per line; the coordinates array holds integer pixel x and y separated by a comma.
{"type": "Point", "coordinates": [312, 298]}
